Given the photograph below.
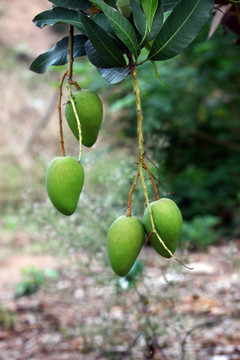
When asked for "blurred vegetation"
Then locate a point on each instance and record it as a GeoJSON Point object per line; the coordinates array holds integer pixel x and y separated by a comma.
{"type": "Point", "coordinates": [7, 319]}
{"type": "Point", "coordinates": [32, 279]}
{"type": "Point", "coordinates": [192, 128]}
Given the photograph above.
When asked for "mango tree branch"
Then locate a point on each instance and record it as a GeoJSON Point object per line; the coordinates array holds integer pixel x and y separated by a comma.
{"type": "Point", "coordinates": [70, 53]}
{"type": "Point", "coordinates": [69, 83]}
{"type": "Point", "coordinates": [152, 180]}
{"type": "Point", "coordinates": [76, 85]}
{"type": "Point", "coordinates": [60, 113]}
{"type": "Point", "coordinates": [136, 91]}
{"type": "Point", "coordinates": [130, 194]}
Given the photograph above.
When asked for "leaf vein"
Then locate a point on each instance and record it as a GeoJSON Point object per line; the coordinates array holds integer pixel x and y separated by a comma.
{"type": "Point", "coordinates": [174, 34]}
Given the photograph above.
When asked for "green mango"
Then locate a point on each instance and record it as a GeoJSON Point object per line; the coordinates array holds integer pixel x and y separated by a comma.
{"type": "Point", "coordinates": [124, 6]}
{"type": "Point", "coordinates": [124, 243]}
{"type": "Point", "coordinates": [64, 182]}
{"type": "Point", "coordinates": [168, 223]}
{"type": "Point", "coordinates": [90, 112]}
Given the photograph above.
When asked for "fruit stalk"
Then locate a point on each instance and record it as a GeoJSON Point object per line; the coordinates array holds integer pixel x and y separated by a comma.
{"type": "Point", "coordinates": [136, 91]}
{"type": "Point", "coordinates": [69, 83]}
{"type": "Point", "coordinates": [151, 178]}
{"type": "Point", "coordinates": [60, 113]}
{"type": "Point", "coordinates": [130, 194]}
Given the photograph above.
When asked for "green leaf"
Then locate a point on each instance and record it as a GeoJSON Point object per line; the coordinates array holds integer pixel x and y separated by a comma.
{"type": "Point", "coordinates": [111, 2]}
{"type": "Point", "coordinates": [149, 8]}
{"type": "Point", "coordinates": [58, 15]}
{"type": "Point", "coordinates": [180, 29]}
{"type": "Point", "coordinates": [169, 4]}
{"type": "Point", "coordinates": [156, 72]}
{"type": "Point", "coordinates": [94, 57]}
{"type": "Point", "coordinates": [114, 75]}
{"type": "Point", "coordinates": [73, 4]}
{"type": "Point", "coordinates": [105, 45]}
{"type": "Point", "coordinates": [141, 23]}
{"type": "Point", "coordinates": [51, 274]}
{"type": "Point", "coordinates": [102, 21]}
{"type": "Point", "coordinates": [157, 21]}
{"type": "Point", "coordinates": [121, 26]}
{"type": "Point", "coordinates": [58, 55]}
{"type": "Point", "coordinates": [139, 17]}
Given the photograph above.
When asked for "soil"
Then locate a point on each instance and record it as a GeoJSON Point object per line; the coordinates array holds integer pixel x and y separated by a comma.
{"type": "Point", "coordinates": [74, 317]}
{"type": "Point", "coordinates": [17, 29]}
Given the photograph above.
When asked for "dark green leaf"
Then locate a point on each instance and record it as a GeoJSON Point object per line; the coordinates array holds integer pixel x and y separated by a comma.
{"type": "Point", "coordinates": [105, 45]}
{"type": "Point", "coordinates": [72, 4]}
{"type": "Point", "coordinates": [114, 75]}
{"type": "Point", "coordinates": [149, 8]}
{"type": "Point", "coordinates": [58, 15]}
{"type": "Point", "coordinates": [157, 22]}
{"type": "Point", "coordinates": [139, 17]}
{"type": "Point", "coordinates": [102, 21]}
{"type": "Point", "coordinates": [58, 55]}
{"type": "Point", "coordinates": [94, 57]}
{"type": "Point", "coordinates": [141, 23]}
{"type": "Point", "coordinates": [111, 2]}
{"type": "Point", "coordinates": [121, 26]}
{"type": "Point", "coordinates": [180, 29]}
{"type": "Point", "coordinates": [169, 4]}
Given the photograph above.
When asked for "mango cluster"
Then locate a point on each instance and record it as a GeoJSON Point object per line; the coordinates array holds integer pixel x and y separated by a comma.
{"type": "Point", "coordinates": [126, 235]}
{"type": "Point", "coordinates": [65, 175]}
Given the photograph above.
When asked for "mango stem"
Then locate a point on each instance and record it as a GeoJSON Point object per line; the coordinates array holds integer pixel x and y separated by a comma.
{"type": "Point", "coordinates": [60, 112]}
{"type": "Point", "coordinates": [136, 91]}
{"type": "Point", "coordinates": [71, 82]}
{"type": "Point", "coordinates": [130, 194]}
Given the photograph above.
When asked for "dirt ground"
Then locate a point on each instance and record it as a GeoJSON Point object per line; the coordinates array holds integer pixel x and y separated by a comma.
{"type": "Point", "coordinates": [17, 29]}
{"type": "Point", "coordinates": [74, 316]}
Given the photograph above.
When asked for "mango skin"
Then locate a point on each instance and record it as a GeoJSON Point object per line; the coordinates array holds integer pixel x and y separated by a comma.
{"type": "Point", "coordinates": [124, 243]}
{"type": "Point", "coordinates": [64, 182]}
{"type": "Point", "coordinates": [168, 222]}
{"type": "Point", "coordinates": [124, 6]}
{"type": "Point", "coordinates": [90, 112]}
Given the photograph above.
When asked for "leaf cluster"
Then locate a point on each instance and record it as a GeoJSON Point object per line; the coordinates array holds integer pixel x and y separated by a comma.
{"type": "Point", "coordinates": [194, 131]}
{"type": "Point", "coordinates": [113, 42]}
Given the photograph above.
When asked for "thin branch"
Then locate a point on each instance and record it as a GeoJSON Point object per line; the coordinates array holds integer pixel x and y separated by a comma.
{"type": "Point", "coordinates": [140, 161]}
{"type": "Point", "coordinates": [60, 113]}
{"type": "Point", "coordinates": [152, 180]}
{"type": "Point", "coordinates": [41, 124]}
{"type": "Point", "coordinates": [158, 179]}
{"type": "Point", "coordinates": [76, 85]}
{"type": "Point", "coordinates": [130, 194]}
{"type": "Point", "coordinates": [70, 53]}
{"type": "Point", "coordinates": [209, 323]}
{"type": "Point", "coordinates": [69, 83]}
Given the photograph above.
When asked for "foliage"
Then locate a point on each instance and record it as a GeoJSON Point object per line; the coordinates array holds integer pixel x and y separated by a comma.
{"type": "Point", "coordinates": [193, 130]}
{"type": "Point", "coordinates": [7, 319]}
{"type": "Point", "coordinates": [32, 280]}
{"type": "Point", "coordinates": [199, 232]}
{"type": "Point", "coordinates": [112, 42]}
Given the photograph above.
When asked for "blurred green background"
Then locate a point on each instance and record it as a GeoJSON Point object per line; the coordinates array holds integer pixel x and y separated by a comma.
{"type": "Point", "coordinates": [191, 130]}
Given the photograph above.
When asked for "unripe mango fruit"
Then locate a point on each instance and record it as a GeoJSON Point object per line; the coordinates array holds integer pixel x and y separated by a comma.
{"type": "Point", "coordinates": [124, 243]}
{"type": "Point", "coordinates": [90, 112]}
{"type": "Point", "coordinates": [168, 223]}
{"type": "Point", "coordinates": [64, 182]}
{"type": "Point", "coordinates": [124, 7]}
